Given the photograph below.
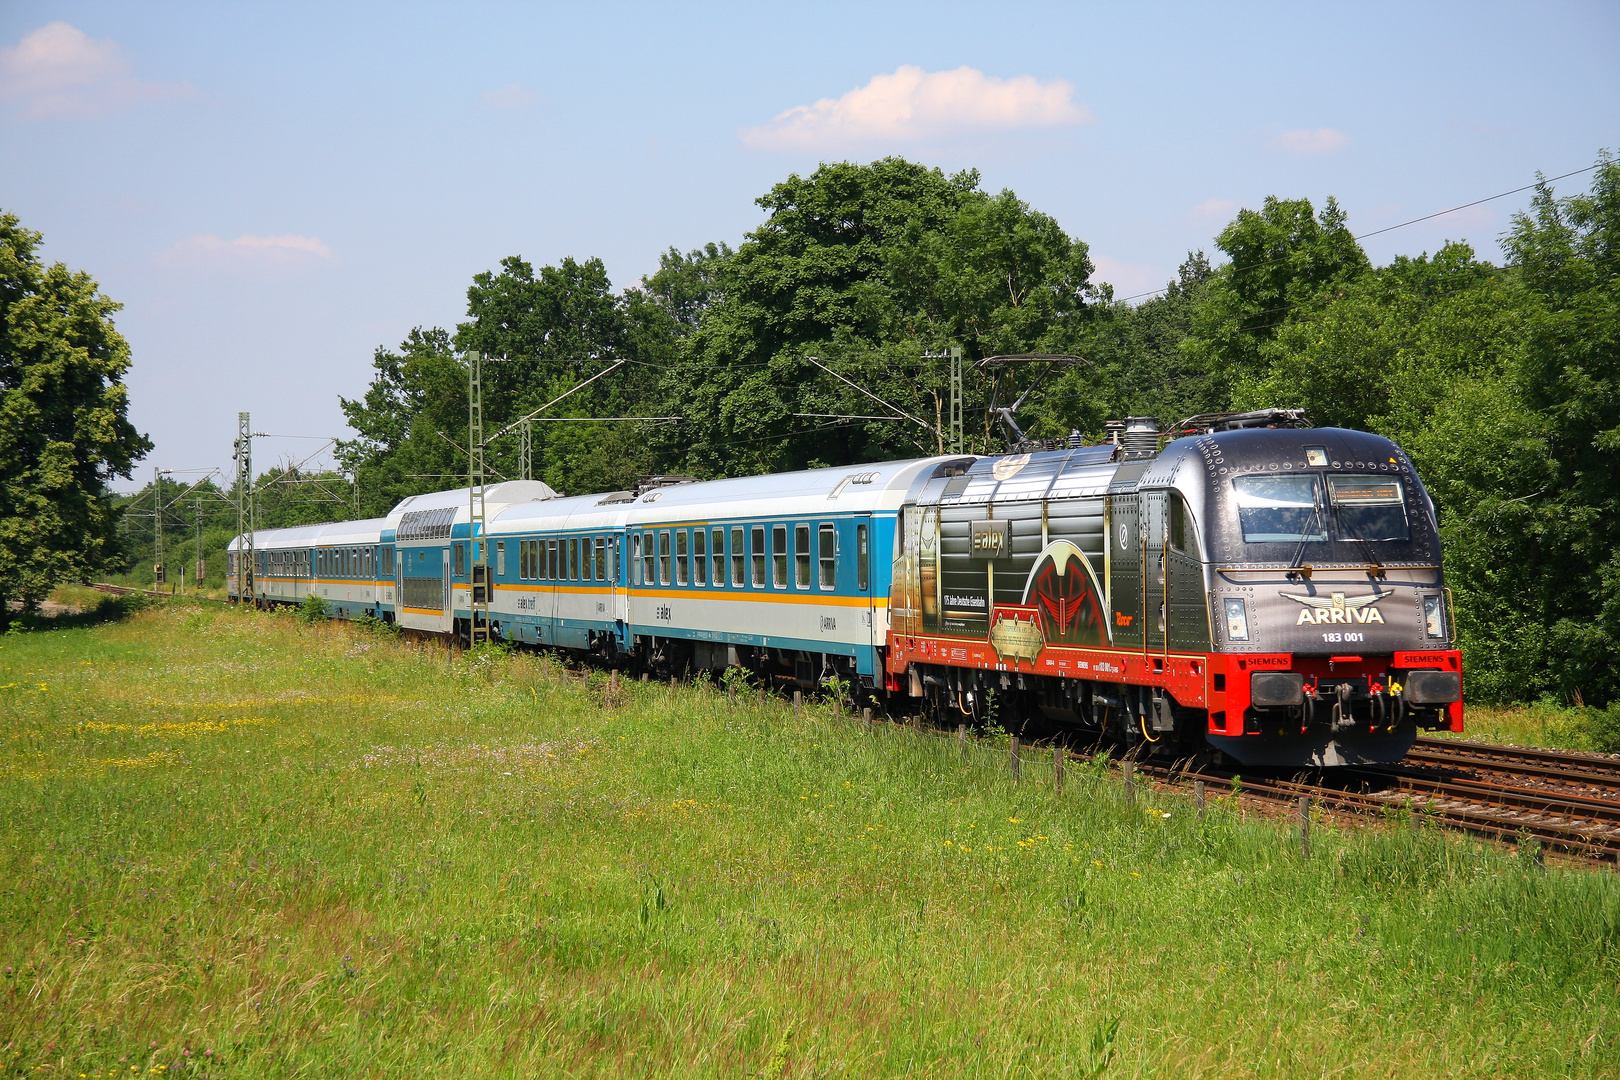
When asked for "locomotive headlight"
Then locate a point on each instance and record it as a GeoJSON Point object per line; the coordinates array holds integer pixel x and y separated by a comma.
{"type": "Point", "coordinates": [1237, 619]}
{"type": "Point", "coordinates": [1434, 617]}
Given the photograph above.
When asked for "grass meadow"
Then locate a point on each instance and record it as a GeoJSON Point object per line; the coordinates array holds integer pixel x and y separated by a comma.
{"type": "Point", "coordinates": [239, 846]}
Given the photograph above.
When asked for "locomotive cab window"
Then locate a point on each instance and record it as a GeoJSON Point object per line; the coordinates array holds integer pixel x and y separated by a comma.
{"type": "Point", "coordinates": [1280, 509]}
{"type": "Point", "coordinates": [1183, 534]}
{"type": "Point", "coordinates": [1369, 508]}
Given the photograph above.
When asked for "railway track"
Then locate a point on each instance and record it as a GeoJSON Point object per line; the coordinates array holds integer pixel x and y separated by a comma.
{"type": "Point", "coordinates": [126, 590]}
{"type": "Point", "coordinates": [1566, 801]}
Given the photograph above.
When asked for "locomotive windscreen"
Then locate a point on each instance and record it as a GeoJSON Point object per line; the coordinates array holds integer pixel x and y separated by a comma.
{"type": "Point", "coordinates": [1280, 509]}
{"type": "Point", "coordinates": [1369, 508]}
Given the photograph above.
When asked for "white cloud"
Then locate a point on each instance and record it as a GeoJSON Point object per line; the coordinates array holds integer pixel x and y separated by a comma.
{"type": "Point", "coordinates": [207, 249]}
{"type": "Point", "coordinates": [916, 104]}
{"type": "Point", "coordinates": [511, 96]}
{"type": "Point", "coordinates": [1319, 141]}
{"type": "Point", "coordinates": [60, 72]}
{"type": "Point", "coordinates": [1212, 210]}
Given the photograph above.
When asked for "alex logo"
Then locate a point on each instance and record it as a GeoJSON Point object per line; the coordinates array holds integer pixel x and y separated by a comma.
{"type": "Point", "coordinates": [1337, 609]}
{"type": "Point", "coordinates": [991, 539]}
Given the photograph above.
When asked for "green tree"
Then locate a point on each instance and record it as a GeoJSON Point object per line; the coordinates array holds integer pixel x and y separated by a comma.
{"type": "Point", "coordinates": [862, 269]}
{"type": "Point", "coordinates": [64, 432]}
{"type": "Point", "coordinates": [410, 424]}
{"type": "Point", "coordinates": [1282, 256]}
{"type": "Point", "coordinates": [1567, 253]}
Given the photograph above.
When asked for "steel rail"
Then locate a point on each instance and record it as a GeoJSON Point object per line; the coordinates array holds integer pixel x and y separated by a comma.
{"type": "Point", "coordinates": [1449, 749]}
{"type": "Point", "coordinates": [1444, 805]}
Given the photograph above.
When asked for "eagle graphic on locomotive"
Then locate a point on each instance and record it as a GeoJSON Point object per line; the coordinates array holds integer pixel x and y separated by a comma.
{"type": "Point", "coordinates": [1252, 588]}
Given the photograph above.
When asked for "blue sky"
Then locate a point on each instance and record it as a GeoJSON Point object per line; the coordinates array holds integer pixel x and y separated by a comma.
{"type": "Point", "coordinates": [275, 190]}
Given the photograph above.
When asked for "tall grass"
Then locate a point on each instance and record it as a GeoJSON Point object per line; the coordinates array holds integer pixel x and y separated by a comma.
{"type": "Point", "coordinates": [236, 845]}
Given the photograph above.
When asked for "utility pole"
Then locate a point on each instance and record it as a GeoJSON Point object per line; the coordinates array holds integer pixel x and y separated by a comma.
{"type": "Point", "coordinates": [477, 629]}
{"type": "Point", "coordinates": [157, 529]}
{"type": "Point", "coordinates": [244, 508]}
{"type": "Point", "coordinates": [956, 399]}
{"type": "Point", "coordinates": [200, 564]}
{"type": "Point", "coordinates": [526, 451]}
{"type": "Point", "coordinates": [951, 438]}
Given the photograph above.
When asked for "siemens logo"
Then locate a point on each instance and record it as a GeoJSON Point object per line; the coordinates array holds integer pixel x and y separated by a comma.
{"type": "Point", "coordinates": [991, 539]}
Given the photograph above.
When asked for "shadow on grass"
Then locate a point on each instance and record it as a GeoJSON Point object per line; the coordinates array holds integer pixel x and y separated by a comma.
{"type": "Point", "coordinates": [108, 609]}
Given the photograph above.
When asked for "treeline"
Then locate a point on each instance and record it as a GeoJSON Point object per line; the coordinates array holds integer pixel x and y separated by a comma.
{"type": "Point", "coordinates": [202, 516]}
{"type": "Point", "coordinates": [806, 344]}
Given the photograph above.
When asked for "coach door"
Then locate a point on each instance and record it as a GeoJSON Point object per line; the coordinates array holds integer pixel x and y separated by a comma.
{"type": "Point", "coordinates": [618, 577]}
{"type": "Point", "coordinates": [873, 631]}
{"type": "Point", "coordinates": [1155, 568]}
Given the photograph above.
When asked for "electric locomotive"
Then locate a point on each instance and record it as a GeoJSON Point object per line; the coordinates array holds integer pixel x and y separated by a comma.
{"type": "Point", "coordinates": [1273, 593]}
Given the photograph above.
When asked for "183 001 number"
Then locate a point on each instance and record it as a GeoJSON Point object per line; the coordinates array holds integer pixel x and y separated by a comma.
{"type": "Point", "coordinates": [1344, 637]}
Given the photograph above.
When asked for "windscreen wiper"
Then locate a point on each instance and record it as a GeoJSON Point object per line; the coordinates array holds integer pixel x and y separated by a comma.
{"type": "Point", "coordinates": [1374, 567]}
{"type": "Point", "coordinates": [1294, 565]}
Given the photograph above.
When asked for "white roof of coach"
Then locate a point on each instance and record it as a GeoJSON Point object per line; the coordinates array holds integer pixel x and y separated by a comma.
{"type": "Point", "coordinates": [496, 498]}
{"type": "Point", "coordinates": [572, 512]}
{"type": "Point", "coordinates": [367, 531]}
{"type": "Point", "coordinates": [841, 489]}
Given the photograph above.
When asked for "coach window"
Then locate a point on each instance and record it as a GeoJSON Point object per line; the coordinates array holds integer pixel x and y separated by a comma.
{"type": "Point", "coordinates": [739, 558]}
{"type": "Point", "coordinates": [635, 558]}
{"type": "Point", "coordinates": [717, 553]}
{"type": "Point", "coordinates": [828, 555]}
{"type": "Point", "coordinates": [573, 558]}
{"type": "Point", "coordinates": [680, 557]}
{"type": "Point", "coordinates": [500, 558]}
{"type": "Point", "coordinates": [553, 559]}
{"type": "Point", "coordinates": [757, 553]}
{"type": "Point", "coordinates": [779, 556]}
{"type": "Point", "coordinates": [615, 546]}
{"type": "Point", "coordinates": [862, 546]}
{"type": "Point", "coordinates": [700, 557]}
{"type": "Point", "coordinates": [663, 557]}
{"type": "Point", "coordinates": [801, 556]}
{"type": "Point", "coordinates": [601, 559]}
{"type": "Point", "coordinates": [459, 559]}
